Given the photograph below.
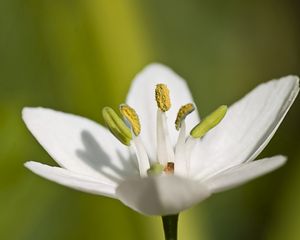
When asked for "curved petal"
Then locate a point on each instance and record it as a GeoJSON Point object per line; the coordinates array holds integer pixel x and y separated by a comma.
{"type": "Point", "coordinates": [247, 127]}
{"type": "Point", "coordinates": [79, 145]}
{"type": "Point", "coordinates": [72, 180]}
{"type": "Point", "coordinates": [243, 173]}
{"type": "Point", "coordinates": [161, 195]}
{"type": "Point", "coordinates": [142, 98]}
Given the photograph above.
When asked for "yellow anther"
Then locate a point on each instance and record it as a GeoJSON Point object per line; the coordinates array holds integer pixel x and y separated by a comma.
{"type": "Point", "coordinates": [182, 113]}
{"type": "Point", "coordinates": [162, 97]}
{"type": "Point", "coordinates": [131, 116]}
{"type": "Point", "coordinates": [209, 122]}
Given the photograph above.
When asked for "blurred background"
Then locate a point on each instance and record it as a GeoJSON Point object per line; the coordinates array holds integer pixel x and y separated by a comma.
{"type": "Point", "coordinates": [79, 56]}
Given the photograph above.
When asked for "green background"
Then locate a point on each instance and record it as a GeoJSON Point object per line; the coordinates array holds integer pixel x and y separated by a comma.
{"type": "Point", "coordinates": [81, 55]}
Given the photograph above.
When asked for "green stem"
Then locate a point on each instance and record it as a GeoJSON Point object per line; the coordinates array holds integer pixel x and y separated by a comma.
{"type": "Point", "coordinates": [170, 226]}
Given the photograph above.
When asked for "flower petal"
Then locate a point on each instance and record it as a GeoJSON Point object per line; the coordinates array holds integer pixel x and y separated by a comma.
{"type": "Point", "coordinates": [142, 98]}
{"type": "Point", "coordinates": [243, 173]}
{"type": "Point", "coordinates": [247, 127]}
{"type": "Point", "coordinates": [72, 180]}
{"type": "Point", "coordinates": [79, 145]}
{"type": "Point", "coordinates": [162, 195]}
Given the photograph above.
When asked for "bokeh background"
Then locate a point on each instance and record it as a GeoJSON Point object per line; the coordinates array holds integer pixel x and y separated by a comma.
{"type": "Point", "coordinates": [80, 55]}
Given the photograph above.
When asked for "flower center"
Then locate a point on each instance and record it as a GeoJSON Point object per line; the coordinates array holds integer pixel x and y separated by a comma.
{"type": "Point", "coordinates": [169, 159]}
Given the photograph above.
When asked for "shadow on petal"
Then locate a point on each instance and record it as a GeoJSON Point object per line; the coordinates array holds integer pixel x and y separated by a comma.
{"type": "Point", "coordinates": [115, 167]}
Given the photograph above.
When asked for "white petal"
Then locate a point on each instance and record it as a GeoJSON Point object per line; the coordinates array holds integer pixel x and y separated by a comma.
{"type": "Point", "coordinates": [142, 98]}
{"type": "Point", "coordinates": [162, 195]}
{"type": "Point", "coordinates": [79, 144]}
{"type": "Point", "coordinates": [72, 180]}
{"type": "Point", "coordinates": [243, 173]}
{"type": "Point", "coordinates": [247, 127]}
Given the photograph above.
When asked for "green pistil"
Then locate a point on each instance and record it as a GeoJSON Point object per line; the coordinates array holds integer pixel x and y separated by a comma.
{"type": "Point", "coordinates": [155, 169]}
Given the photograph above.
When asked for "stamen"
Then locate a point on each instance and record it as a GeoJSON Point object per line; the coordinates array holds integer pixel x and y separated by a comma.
{"type": "Point", "coordinates": [132, 117]}
{"type": "Point", "coordinates": [180, 152]}
{"type": "Point", "coordinates": [116, 126]}
{"type": "Point", "coordinates": [182, 113]}
{"type": "Point", "coordinates": [165, 151]}
{"type": "Point", "coordinates": [162, 97]}
{"type": "Point", "coordinates": [209, 122]}
{"type": "Point", "coordinates": [141, 154]}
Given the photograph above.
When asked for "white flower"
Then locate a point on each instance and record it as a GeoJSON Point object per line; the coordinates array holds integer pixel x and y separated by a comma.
{"type": "Point", "coordinates": [92, 160]}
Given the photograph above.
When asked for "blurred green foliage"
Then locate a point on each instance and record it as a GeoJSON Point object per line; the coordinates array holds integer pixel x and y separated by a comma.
{"type": "Point", "coordinates": [78, 56]}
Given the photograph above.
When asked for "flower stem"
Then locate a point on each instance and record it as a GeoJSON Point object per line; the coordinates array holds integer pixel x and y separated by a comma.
{"type": "Point", "coordinates": [170, 226]}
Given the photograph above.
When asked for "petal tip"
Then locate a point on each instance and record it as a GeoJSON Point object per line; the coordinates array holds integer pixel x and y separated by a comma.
{"type": "Point", "coordinates": [155, 66]}
{"type": "Point", "coordinates": [158, 68]}
{"type": "Point", "coordinates": [27, 164]}
{"type": "Point", "coordinates": [281, 160]}
{"type": "Point", "coordinates": [294, 81]}
{"type": "Point", "coordinates": [29, 111]}
{"type": "Point", "coordinates": [26, 111]}
{"type": "Point", "coordinates": [31, 164]}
